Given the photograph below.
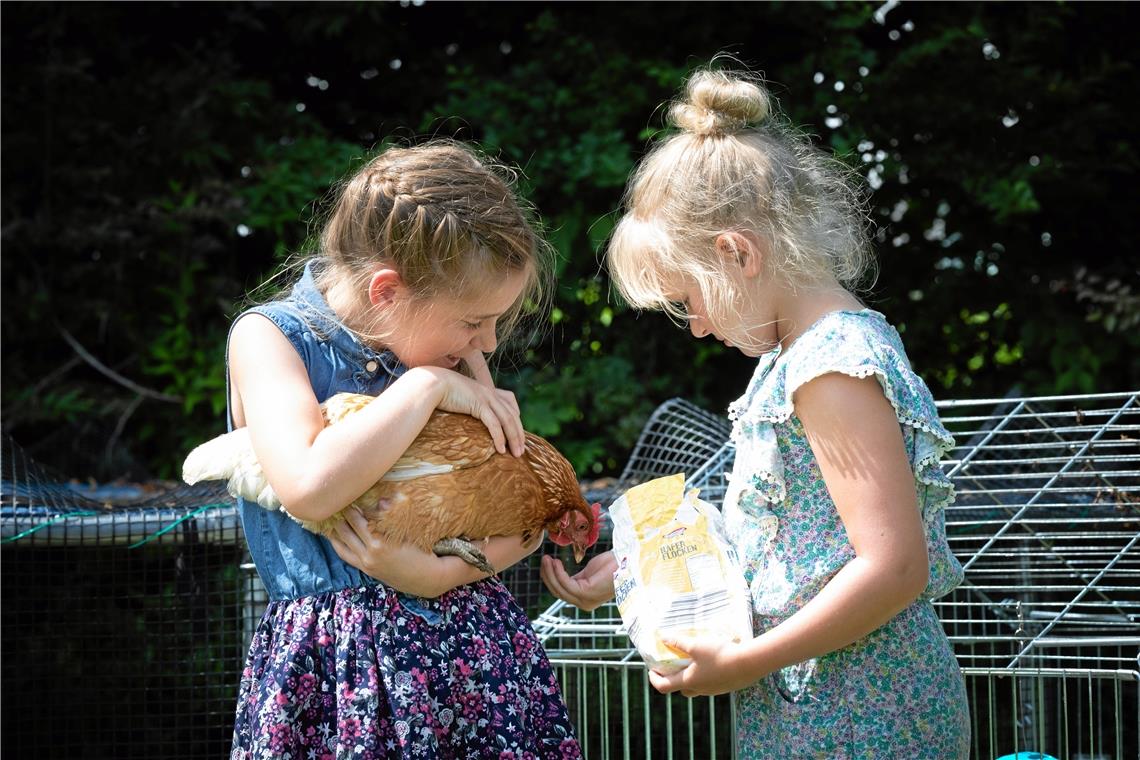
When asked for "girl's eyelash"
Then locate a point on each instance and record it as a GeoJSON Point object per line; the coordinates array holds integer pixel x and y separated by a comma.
{"type": "Point", "coordinates": [472, 325]}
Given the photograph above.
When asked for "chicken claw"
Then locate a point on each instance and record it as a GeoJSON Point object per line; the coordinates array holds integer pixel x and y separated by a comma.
{"type": "Point", "coordinates": [465, 550]}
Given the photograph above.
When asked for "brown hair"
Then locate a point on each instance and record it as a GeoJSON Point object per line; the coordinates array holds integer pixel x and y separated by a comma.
{"type": "Point", "coordinates": [443, 217]}
{"type": "Point", "coordinates": [734, 166]}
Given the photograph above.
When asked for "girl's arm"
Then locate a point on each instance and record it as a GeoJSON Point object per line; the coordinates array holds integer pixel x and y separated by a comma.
{"type": "Point", "coordinates": [316, 471]}
{"type": "Point", "coordinates": [406, 568]}
{"type": "Point", "coordinates": [855, 436]}
{"type": "Point", "coordinates": [411, 570]}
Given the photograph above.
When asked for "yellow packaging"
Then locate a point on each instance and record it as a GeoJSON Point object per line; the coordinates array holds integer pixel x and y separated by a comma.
{"type": "Point", "coordinates": [677, 571]}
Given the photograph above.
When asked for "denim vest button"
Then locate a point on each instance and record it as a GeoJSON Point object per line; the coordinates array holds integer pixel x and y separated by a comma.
{"type": "Point", "coordinates": [372, 366]}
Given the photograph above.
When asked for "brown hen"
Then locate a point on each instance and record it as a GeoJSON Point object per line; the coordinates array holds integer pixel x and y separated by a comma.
{"type": "Point", "coordinates": [450, 487]}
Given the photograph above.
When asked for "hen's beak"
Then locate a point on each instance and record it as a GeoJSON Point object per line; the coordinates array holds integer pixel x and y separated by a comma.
{"type": "Point", "coordinates": [579, 552]}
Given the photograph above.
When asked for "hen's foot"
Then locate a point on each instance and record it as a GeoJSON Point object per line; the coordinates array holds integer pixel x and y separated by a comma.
{"type": "Point", "coordinates": [465, 550]}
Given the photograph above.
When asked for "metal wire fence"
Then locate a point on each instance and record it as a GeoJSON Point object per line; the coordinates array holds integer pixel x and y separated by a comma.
{"type": "Point", "coordinates": [122, 628]}
{"type": "Point", "coordinates": [126, 613]}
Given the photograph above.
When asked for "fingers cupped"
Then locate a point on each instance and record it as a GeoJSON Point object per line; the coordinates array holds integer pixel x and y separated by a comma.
{"type": "Point", "coordinates": [555, 578]}
{"type": "Point", "coordinates": [663, 684]}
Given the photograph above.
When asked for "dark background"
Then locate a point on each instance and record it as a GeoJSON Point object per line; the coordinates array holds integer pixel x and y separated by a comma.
{"type": "Point", "coordinates": [161, 160]}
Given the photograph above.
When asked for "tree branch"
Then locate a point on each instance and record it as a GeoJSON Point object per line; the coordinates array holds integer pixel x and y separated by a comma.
{"type": "Point", "coordinates": [112, 374]}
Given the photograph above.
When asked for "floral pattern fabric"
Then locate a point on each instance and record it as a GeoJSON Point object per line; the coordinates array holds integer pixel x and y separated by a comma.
{"type": "Point", "coordinates": [368, 673]}
{"type": "Point", "coordinates": [899, 691]}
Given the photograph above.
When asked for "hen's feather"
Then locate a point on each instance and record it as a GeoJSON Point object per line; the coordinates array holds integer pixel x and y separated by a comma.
{"type": "Point", "coordinates": [230, 457]}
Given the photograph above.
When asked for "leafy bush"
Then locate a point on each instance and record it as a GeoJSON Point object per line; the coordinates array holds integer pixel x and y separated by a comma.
{"type": "Point", "coordinates": [162, 161]}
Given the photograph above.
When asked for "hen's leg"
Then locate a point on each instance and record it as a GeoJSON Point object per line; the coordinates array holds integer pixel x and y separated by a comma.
{"type": "Point", "coordinates": [465, 550]}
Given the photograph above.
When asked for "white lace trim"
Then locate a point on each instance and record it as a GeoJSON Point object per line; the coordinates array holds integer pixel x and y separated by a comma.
{"type": "Point", "coordinates": [926, 468]}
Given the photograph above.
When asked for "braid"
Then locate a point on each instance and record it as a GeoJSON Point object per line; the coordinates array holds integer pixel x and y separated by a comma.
{"type": "Point", "coordinates": [443, 218]}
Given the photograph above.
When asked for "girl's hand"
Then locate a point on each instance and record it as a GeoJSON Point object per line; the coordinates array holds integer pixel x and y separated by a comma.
{"type": "Point", "coordinates": [411, 570]}
{"type": "Point", "coordinates": [717, 667]}
{"type": "Point", "coordinates": [504, 551]}
{"type": "Point", "coordinates": [404, 567]}
{"type": "Point", "coordinates": [497, 409]}
{"type": "Point", "coordinates": [588, 589]}
{"type": "Point", "coordinates": [477, 369]}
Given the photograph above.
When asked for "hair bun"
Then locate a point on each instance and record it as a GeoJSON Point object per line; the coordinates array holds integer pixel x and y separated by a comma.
{"type": "Point", "coordinates": [719, 102]}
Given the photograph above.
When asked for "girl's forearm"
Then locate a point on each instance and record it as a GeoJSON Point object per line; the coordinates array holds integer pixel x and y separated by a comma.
{"type": "Point", "coordinates": [346, 459]}
{"type": "Point", "coordinates": [406, 569]}
{"type": "Point", "coordinates": [501, 551]}
{"type": "Point", "coordinates": [860, 598]}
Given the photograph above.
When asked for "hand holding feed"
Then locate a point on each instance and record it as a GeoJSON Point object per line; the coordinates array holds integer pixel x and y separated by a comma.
{"type": "Point", "coordinates": [717, 667]}
{"type": "Point", "coordinates": [587, 589]}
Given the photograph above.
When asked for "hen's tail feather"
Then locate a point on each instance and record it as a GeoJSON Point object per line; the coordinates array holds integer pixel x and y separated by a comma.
{"type": "Point", "coordinates": [230, 457]}
{"type": "Point", "coordinates": [213, 460]}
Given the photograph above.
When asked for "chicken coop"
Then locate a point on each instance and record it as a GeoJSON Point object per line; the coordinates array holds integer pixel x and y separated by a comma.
{"type": "Point", "coordinates": [127, 610]}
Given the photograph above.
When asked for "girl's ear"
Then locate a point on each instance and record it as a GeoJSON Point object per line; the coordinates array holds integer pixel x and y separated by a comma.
{"type": "Point", "coordinates": [742, 249]}
{"type": "Point", "coordinates": [384, 287]}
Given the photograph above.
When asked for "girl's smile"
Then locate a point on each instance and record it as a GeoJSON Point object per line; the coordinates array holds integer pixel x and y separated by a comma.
{"type": "Point", "coordinates": [439, 332]}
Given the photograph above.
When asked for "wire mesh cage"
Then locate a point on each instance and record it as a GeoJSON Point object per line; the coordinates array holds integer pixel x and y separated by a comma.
{"type": "Point", "coordinates": [124, 618]}
{"type": "Point", "coordinates": [1046, 625]}
{"type": "Point", "coordinates": [1046, 523]}
{"type": "Point", "coordinates": [127, 613]}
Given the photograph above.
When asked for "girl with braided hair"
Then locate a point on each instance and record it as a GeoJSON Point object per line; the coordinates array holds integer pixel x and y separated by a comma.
{"type": "Point", "coordinates": [369, 650]}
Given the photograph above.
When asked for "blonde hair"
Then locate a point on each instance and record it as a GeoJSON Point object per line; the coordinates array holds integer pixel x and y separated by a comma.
{"type": "Point", "coordinates": [734, 166]}
{"type": "Point", "coordinates": [446, 219]}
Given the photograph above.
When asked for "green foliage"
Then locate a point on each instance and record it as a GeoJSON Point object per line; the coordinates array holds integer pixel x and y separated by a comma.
{"type": "Point", "coordinates": [183, 359]}
{"type": "Point", "coordinates": [291, 176]}
{"type": "Point", "coordinates": [152, 181]}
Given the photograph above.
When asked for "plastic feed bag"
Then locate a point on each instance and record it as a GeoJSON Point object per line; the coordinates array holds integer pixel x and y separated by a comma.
{"type": "Point", "coordinates": [677, 571]}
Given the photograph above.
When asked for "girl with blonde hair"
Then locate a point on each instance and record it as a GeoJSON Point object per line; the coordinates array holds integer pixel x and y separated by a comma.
{"type": "Point", "coordinates": [741, 229]}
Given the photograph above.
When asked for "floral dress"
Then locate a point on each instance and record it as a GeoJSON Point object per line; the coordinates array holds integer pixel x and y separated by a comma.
{"type": "Point", "coordinates": [342, 667]}
{"type": "Point", "coordinates": [897, 692]}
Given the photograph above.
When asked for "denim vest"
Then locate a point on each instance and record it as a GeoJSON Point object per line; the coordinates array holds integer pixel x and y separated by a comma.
{"type": "Point", "coordinates": [291, 561]}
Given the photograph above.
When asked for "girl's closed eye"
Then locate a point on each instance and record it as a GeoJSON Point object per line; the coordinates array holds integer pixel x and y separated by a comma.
{"type": "Point", "coordinates": [679, 304]}
{"type": "Point", "coordinates": [473, 325]}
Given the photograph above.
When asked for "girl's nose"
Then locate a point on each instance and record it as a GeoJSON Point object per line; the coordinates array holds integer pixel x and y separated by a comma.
{"type": "Point", "coordinates": [486, 340]}
{"type": "Point", "coordinates": [697, 327]}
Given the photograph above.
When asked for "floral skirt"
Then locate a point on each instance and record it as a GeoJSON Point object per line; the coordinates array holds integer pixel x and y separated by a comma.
{"type": "Point", "coordinates": [368, 673]}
